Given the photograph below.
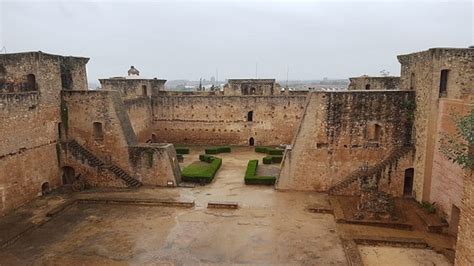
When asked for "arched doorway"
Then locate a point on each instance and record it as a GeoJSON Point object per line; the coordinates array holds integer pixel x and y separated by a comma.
{"type": "Point", "coordinates": [408, 182]}
{"type": "Point", "coordinates": [69, 175]}
{"type": "Point", "coordinates": [251, 141]}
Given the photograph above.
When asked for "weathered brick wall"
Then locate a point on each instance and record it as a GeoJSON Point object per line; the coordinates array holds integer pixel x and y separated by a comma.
{"type": "Point", "coordinates": [447, 177]}
{"type": "Point", "coordinates": [334, 139]}
{"type": "Point", "coordinates": [422, 71]}
{"type": "Point", "coordinates": [29, 126]}
{"type": "Point", "coordinates": [139, 112]}
{"type": "Point", "coordinates": [465, 242]}
{"type": "Point", "coordinates": [374, 83]}
{"type": "Point", "coordinates": [223, 119]}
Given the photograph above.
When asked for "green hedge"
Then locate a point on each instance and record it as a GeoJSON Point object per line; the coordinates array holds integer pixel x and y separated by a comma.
{"type": "Point", "coordinates": [251, 168]}
{"type": "Point", "coordinates": [182, 150]}
{"type": "Point", "coordinates": [260, 180]}
{"type": "Point", "coordinates": [252, 179]}
{"type": "Point", "coordinates": [268, 150]}
{"type": "Point", "coordinates": [201, 172]}
{"type": "Point", "coordinates": [217, 150]}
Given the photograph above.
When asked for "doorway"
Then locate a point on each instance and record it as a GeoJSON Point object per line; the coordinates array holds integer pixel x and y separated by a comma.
{"type": "Point", "coordinates": [251, 141]}
{"type": "Point", "coordinates": [408, 182]}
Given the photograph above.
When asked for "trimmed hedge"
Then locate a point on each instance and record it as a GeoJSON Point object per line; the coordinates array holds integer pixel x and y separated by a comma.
{"type": "Point", "coordinates": [252, 179]}
{"type": "Point", "coordinates": [217, 150]}
{"type": "Point", "coordinates": [182, 150]}
{"type": "Point", "coordinates": [272, 159]}
{"type": "Point", "coordinates": [200, 172]}
{"type": "Point", "coordinates": [251, 169]}
{"type": "Point", "coordinates": [260, 180]}
{"type": "Point", "coordinates": [268, 150]}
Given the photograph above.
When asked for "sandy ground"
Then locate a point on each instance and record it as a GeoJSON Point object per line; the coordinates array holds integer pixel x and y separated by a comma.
{"type": "Point", "coordinates": [375, 256]}
{"type": "Point", "coordinates": [270, 227]}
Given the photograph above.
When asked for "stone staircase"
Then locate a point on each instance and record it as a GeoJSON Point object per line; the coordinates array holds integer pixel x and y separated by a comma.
{"type": "Point", "coordinates": [82, 154]}
{"type": "Point", "coordinates": [376, 169]}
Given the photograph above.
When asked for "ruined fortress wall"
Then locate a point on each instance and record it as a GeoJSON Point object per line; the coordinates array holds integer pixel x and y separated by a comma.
{"type": "Point", "coordinates": [83, 109]}
{"type": "Point", "coordinates": [421, 72]}
{"type": "Point", "coordinates": [336, 137]}
{"type": "Point", "coordinates": [374, 83]}
{"type": "Point", "coordinates": [214, 120]}
{"type": "Point", "coordinates": [465, 242]}
{"type": "Point", "coordinates": [29, 129]}
{"type": "Point", "coordinates": [447, 177]}
{"type": "Point", "coordinates": [139, 113]}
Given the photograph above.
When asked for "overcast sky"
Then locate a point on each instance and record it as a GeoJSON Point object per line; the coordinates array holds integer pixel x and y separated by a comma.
{"type": "Point", "coordinates": [191, 39]}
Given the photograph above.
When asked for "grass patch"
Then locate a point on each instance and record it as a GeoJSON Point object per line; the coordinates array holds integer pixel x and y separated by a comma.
{"type": "Point", "coordinates": [217, 150]}
{"type": "Point", "coordinates": [203, 171]}
{"type": "Point", "coordinates": [251, 177]}
{"type": "Point", "coordinates": [182, 150]}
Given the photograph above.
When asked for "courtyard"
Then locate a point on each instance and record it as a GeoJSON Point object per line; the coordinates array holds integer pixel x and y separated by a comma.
{"type": "Point", "coordinates": [269, 227]}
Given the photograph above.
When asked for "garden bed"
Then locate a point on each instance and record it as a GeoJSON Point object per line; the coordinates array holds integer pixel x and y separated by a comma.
{"type": "Point", "coordinates": [251, 177]}
{"type": "Point", "coordinates": [202, 172]}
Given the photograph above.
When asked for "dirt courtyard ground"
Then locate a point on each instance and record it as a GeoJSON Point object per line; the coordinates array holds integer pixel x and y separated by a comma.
{"type": "Point", "coordinates": [269, 227]}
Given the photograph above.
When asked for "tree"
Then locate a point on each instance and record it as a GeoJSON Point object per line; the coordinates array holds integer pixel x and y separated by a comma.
{"type": "Point", "coordinates": [459, 147]}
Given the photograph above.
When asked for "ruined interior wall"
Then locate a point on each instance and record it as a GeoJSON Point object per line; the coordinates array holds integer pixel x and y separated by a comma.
{"type": "Point", "coordinates": [465, 242]}
{"type": "Point", "coordinates": [214, 120]}
{"type": "Point", "coordinates": [139, 113]}
{"type": "Point", "coordinates": [86, 107]}
{"type": "Point", "coordinates": [376, 83]}
{"type": "Point", "coordinates": [447, 177]}
{"type": "Point", "coordinates": [333, 139]}
{"type": "Point", "coordinates": [425, 70]}
{"type": "Point", "coordinates": [28, 130]}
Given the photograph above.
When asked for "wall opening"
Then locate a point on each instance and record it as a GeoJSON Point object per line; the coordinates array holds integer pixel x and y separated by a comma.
{"type": "Point", "coordinates": [45, 189]}
{"type": "Point", "coordinates": [251, 141]}
{"type": "Point", "coordinates": [412, 81]}
{"type": "Point", "coordinates": [454, 222]}
{"type": "Point", "coordinates": [250, 116]}
{"type": "Point", "coordinates": [443, 83]}
{"type": "Point", "coordinates": [367, 86]}
{"type": "Point", "coordinates": [98, 131]}
{"type": "Point", "coordinates": [69, 175]}
{"type": "Point", "coordinates": [144, 90]}
{"type": "Point", "coordinates": [30, 82]}
{"type": "Point", "coordinates": [66, 78]}
{"type": "Point", "coordinates": [408, 182]}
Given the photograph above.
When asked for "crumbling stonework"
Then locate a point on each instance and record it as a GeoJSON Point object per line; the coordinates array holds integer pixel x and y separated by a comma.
{"type": "Point", "coordinates": [374, 83]}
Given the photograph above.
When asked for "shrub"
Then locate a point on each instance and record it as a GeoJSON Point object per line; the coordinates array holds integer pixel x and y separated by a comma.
{"type": "Point", "coordinates": [275, 151]}
{"type": "Point", "coordinates": [260, 180]}
{"type": "Point", "coordinates": [251, 168]}
{"type": "Point", "coordinates": [252, 179]}
{"type": "Point", "coordinates": [267, 159]}
{"type": "Point", "coordinates": [217, 150]}
{"type": "Point", "coordinates": [429, 207]}
{"type": "Point", "coordinates": [201, 172]}
{"type": "Point", "coordinates": [272, 159]}
{"type": "Point", "coordinates": [261, 149]}
{"type": "Point", "coordinates": [182, 150]}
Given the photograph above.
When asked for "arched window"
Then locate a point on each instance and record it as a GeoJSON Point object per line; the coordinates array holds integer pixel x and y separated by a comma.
{"type": "Point", "coordinates": [98, 131]}
{"type": "Point", "coordinates": [250, 116]}
{"type": "Point", "coordinates": [251, 141]}
{"type": "Point", "coordinates": [30, 82]}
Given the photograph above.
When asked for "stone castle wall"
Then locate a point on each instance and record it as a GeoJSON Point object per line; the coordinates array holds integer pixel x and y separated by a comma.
{"type": "Point", "coordinates": [214, 120]}
{"type": "Point", "coordinates": [336, 137]}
